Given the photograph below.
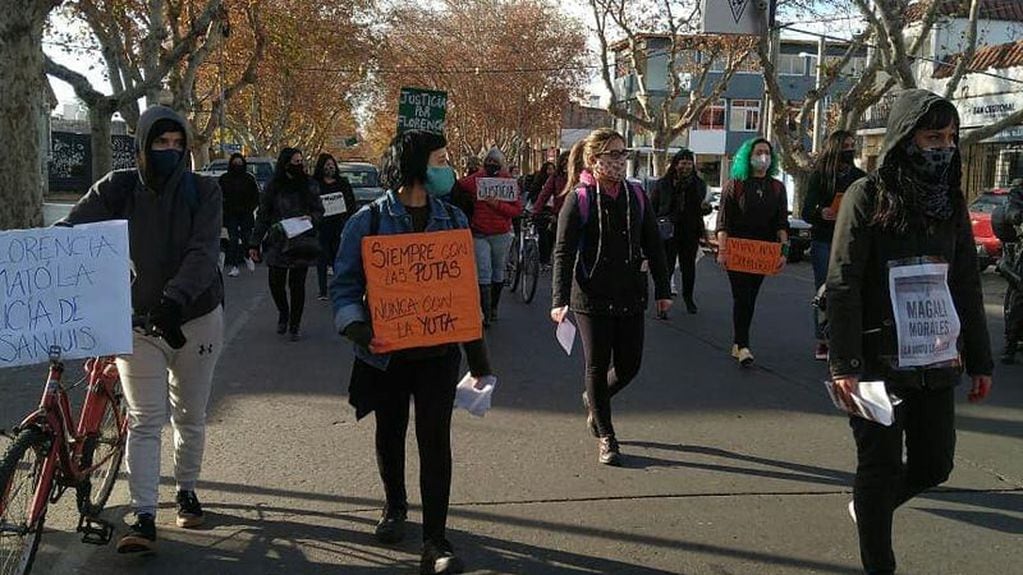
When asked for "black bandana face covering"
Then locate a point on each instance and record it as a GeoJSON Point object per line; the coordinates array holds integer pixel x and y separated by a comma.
{"type": "Point", "coordinates": [930, 165]}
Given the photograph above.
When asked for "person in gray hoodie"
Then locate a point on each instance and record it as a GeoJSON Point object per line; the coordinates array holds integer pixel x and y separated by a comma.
{"type": "Point", "coordinates": [174, 219]}
{"type": "Point", "coordinates": [905, 307]}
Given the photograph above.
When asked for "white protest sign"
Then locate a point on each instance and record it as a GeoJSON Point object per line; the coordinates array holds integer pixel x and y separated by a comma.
{"type": "Point", "coordinates": [67, 287]}
{"type": "Point", "coordinates": [925, 316]}
{"type": "Point", "coordinates": [296, 226]}
{"type": "Point", "coordinates": [504, 189]}
{"type": "Point", "coordinates": [334, 204]}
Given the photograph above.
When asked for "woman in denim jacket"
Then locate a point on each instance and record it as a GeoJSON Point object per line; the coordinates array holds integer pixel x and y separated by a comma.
{"type": "Point", "coordinates": [417, 173]}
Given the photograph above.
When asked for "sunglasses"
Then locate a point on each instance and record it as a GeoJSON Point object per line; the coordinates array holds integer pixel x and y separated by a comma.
{"type": "Point", "coordinates": [616, 154]}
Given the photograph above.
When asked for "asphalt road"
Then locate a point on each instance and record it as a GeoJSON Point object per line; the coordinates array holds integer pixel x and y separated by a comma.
{"type": "Point", "coordinates": [727, 471]}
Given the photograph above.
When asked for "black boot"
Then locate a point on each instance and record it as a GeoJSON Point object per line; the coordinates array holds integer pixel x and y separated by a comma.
{"type": "Point", "coordinates": [1009, 354]}
{"type": "Point", "coordinates": [485, 304]}
{"type": "Point", "coordinates": [495, 298]}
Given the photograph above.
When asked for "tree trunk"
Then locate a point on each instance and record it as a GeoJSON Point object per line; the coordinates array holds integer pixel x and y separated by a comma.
{"type": "Point", "coordinates": [200, 151]}
{"type": "Point", "coordinates": [99, 132]}
{"type": "Point", "coordinates": [660, 141]}
{"type": "Point", "coordinates": [800, 180]}
{"type": "Point", "coordinates": [22, 112]}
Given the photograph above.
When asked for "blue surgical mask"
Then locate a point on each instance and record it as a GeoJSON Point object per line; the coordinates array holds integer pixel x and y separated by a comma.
{"type": "Point", "coordinates": [164, 162]}
{"type": "Point", "coordinates": [439, 180]}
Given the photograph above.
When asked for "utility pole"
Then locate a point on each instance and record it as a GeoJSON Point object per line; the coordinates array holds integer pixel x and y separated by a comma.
{"type": "Point", "coordinates": [818, 107]}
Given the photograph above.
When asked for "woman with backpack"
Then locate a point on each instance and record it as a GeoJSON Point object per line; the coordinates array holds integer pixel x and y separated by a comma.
{"type": "Point", "coordinates": [754, 206]}
{"type": "Point", "coordinates": [288, 196]}
{"type": "Point", "coordinates": [417, 173]}
{"type": "Point", "coordinates": [606, 229]}
{"type": "Point", "coordinates": [836, 170]}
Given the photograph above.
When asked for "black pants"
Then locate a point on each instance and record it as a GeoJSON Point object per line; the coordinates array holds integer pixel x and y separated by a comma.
{"type": "Point", "coordinates": [239, 228]}
{"type": "Point", "coordinates": [745, 289]}
{"type": "Point", "coordinates": [431, 383]}
{"type": "Point", "coordinates": [684, 249]}
{"type": "Point", "coordinates": [330, 240]}
{"type": "Point", "coordinates": [1013, 308]}
{"type": "Point", "coordinates": [926, 420]}
{"type": "Point", "coordinates": [613, 347]}
{"type": "Point", "coordinates": [283, 280]}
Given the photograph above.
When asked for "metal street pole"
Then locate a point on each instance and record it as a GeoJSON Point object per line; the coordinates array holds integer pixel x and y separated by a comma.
{"type": "Point", "coordinates": [818, 107]}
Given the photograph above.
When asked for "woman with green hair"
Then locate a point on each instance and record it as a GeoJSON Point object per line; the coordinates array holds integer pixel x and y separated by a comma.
{"type": "Point", "coordinates": [754, 206]}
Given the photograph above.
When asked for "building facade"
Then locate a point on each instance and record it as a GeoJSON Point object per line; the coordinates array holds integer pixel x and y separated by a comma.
{"type": "Point", "coordinates": [739, 114]}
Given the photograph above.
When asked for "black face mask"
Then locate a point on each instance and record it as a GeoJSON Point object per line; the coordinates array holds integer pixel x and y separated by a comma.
{"type": "Point", "coordinates": [237, 168]}
{"type": "Point", "coordinates": [296, 170]}
{"type": "Point", "coordinates": [164, 162]}
{"type": "Point", "coordinates": [492, 169]}
{"type": "Point", "coordinates": [847, 157]}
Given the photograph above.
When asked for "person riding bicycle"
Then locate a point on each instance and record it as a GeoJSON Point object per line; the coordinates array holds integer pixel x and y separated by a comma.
{"type": "Point", "coordinates": [491, 222]}
{"type": "Point", "coordinates": [174, 221]}
{"type": "Point", "coordinates": [549, 201]}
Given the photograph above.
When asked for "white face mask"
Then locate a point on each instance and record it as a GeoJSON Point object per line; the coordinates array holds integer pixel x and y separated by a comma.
{"type": "Point", "coordinates": [761, 161]}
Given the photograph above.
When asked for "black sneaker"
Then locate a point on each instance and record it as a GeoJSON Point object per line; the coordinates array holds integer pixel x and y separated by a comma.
{"type": "Point", "coordinates": [141, 535]}
{"type": "Point", "coordinates": [189, 510]}
{"type": "Point", "coordinates": [391, 528]}
{"type": "Point", "coordinates": [439, 557]}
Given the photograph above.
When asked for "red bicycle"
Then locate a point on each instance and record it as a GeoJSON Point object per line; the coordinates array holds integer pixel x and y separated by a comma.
{"type": "Point", "coordinates": [51, 453]}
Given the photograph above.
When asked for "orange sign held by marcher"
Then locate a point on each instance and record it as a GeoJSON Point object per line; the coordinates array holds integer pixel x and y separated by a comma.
{"type": "Point", "coordinates": [836, 205]}
{"type": "Point", "coordinates": [421, 289]}
{"type": "Point", "coordinates": [753, 256]}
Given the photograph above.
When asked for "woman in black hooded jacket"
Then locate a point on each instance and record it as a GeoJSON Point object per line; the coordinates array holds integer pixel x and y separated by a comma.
{"type": "Point", "coordinates": [906, 226]}
{"type": "Point", "coordinates": [288, 195]}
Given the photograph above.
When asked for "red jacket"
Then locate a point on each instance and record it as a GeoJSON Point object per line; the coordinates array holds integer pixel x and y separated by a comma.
{"type": "Point", "coordinates": [486, 219]}
{"type": "Point", "coordinates": [552, 188]}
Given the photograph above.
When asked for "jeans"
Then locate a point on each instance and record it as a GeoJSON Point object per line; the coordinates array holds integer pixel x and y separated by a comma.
{"type": "Point", "coordinates": [239, 228]}
{"type": "Point", "coordinates": [491, 257]}
{"type": "Point", "coordinates": [745, 289]}
{"type": "Point", "coordinates": [613, 348]}
{"type": "Point", "coordinates": [154, 378]}
{"type": "Point", "coordinates": [431, 384]}
{"type": "Point", "coordinates": [283, 280]}
{"type": "Point", "coordinates": [926, 421]}
{"type": "Point", "coordinates": [684, 250]}
{"type": "Point", "coordinates": [820, 254]}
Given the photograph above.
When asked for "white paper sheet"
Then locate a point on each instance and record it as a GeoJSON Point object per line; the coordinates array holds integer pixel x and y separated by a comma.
{"type": "Point", "coordinates": [334, 204]}
{"type": "Point", "coordinates": [872, 402]}
{"type": "Point", "coordinates": [566, 335]}
{"type": "Point", "coordinates": [926, 320]}
{"type": "Point", "coordinates": [474, 395]}
{"type": "Point", "coordinates": [296, 226]}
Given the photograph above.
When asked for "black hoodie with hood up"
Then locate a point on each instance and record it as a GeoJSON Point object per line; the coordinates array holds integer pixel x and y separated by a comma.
{"type": "Point", "coordinates": [863, 335]}
{"type": "Point", "coordinates": [173, 226]}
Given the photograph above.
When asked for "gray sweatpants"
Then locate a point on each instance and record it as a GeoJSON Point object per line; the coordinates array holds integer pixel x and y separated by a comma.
{"type": "Point", "coordinates": [156, 376]}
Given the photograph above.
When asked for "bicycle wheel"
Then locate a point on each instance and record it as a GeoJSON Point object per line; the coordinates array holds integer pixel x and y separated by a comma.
{"type": "Point", "coordinates": [513, 269]}
{"type": "Point", "coordinates": [530, 271]}
{"type": "Point", "coordinates": [106, 446]}
{"type": "Point", "coordinates": [20, 474]}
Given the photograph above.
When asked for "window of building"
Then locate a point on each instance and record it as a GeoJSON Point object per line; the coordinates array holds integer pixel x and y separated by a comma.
{"type": "Point", "coordinates": [712, 117]}
{"type": "Point", "coordinates": [744, 116]}
{"type": "Point", "coordinates": [791, 65]}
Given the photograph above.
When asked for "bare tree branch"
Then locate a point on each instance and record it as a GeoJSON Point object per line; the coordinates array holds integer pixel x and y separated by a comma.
{"type": "Point", "coordinates": [966, 55]}
{"type": "Point", "coordinates": [979, 134]}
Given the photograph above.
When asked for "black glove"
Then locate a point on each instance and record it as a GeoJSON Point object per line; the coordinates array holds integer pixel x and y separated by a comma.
{"type": "Point", "coordinates": [360, 332]}
{"type": "Point", "coordinates": [166, 318]}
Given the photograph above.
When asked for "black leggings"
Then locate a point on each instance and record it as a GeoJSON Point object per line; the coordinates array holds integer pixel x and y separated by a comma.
{"type": "Point", "coordinates": [685, 250]}
{"type": "Point", "coordinates": [745, 288]}
{"type": "Point", "coordinates": [613, 347]}
{"type": "Point", "coordinates": [283, 280]}
{"type": "Point", "coordinates": [431, 382]}
{"type": "Point", "coordinates": [883, 482]}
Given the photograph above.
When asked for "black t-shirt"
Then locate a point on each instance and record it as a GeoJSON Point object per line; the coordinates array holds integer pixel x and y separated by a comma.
{"type": "Point", "coordinates": [754, 209]}
{"type": "Point", "coordinates": [420, 217]}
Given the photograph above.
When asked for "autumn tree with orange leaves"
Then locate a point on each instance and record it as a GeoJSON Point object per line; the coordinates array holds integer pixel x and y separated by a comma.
{"type": "Point", "coordinates": [509, 68]}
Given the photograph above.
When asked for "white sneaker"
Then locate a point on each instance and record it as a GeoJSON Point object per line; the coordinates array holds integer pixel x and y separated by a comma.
{"type": "Point", "coordinates": [735, 351]}
{"type": "Point", "coordinates": [745, 357]}
{"type": "Point", "coordinates": [233, 272]}
{"type": "Point", "coordinates": [852, 510]}
{"type": "Point", "coordinates": [250, 264]}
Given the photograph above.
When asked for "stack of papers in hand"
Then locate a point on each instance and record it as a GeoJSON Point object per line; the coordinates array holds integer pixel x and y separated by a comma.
{"type": "Point", "coordinates": [871, 400]}
{"type": "Point", "coordinates": [473, 395]}
{"type": "Point", "coordinates": [296, 226]}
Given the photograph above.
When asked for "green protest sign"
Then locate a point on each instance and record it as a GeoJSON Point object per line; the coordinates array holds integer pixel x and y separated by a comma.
{"type": "Point", "coordinates": [421, 110]}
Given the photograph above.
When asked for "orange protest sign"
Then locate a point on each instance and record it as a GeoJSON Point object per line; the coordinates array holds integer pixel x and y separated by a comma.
{"type": "Point", "coordinates": [421, 289]}
{"type": "Point", "coordinates": [753, 256]}
{"type": "Point", "coordinates": [835, 205]}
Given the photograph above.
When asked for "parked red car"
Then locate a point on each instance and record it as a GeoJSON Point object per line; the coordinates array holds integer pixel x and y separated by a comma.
{"type": "Point", "coordinates": [989, 247]}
